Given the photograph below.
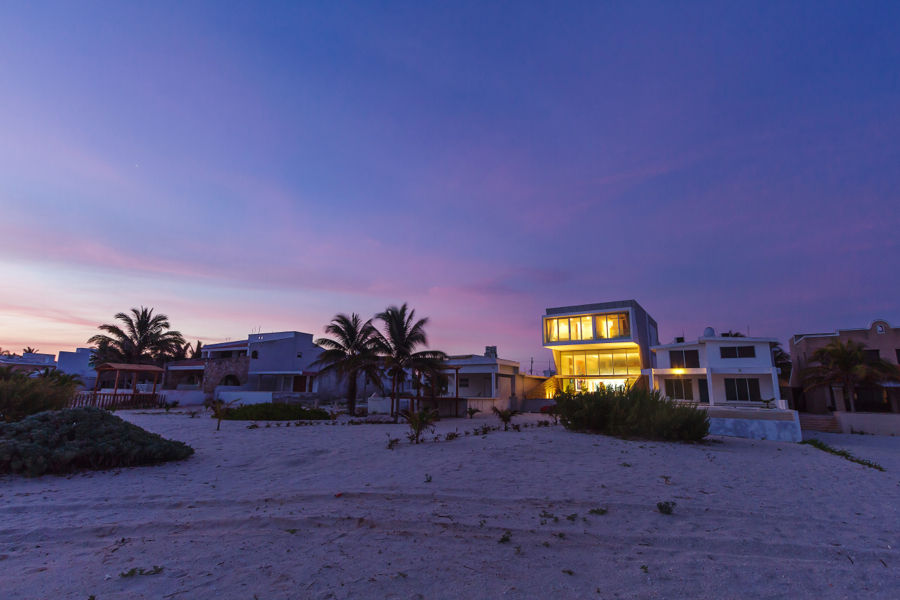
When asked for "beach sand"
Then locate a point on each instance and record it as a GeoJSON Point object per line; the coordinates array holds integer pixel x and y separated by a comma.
{"type": "Point", "coordinates": [327, 511]}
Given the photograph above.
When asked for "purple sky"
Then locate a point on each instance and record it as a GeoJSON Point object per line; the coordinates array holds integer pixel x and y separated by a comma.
{"type": "Point", "coordinates": [260, 166]}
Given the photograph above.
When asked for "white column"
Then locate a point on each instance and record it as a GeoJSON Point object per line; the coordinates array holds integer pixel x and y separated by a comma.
{"type": "Point", "coordinates": [776, 389]}
{"type": "Point", "coordinates": [709, 387]}
{"type": "Point", "coordinates": [652, 381]}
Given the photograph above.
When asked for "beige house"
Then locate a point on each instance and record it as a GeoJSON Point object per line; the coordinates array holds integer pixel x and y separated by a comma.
{"type": "Point", "coordinates": [881, 340]}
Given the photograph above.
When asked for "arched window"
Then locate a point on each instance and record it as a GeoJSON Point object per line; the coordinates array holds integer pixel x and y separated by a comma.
{"type": "Point", "coordinates": [230, 380]}
{"type": "Point", "coordinates": [254, 354]}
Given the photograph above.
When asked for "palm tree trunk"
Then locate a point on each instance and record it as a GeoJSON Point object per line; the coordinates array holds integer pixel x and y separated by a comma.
{"type": "Point", "coordinates": [394, 401]}
{"type": "Point", "coordinates": [848, 393]}
{"type": "Point", "coordinates": [351, 394]}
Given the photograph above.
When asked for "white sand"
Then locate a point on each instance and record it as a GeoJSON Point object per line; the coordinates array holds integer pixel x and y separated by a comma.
{"type": "Point", "coordinates": [753, 519]}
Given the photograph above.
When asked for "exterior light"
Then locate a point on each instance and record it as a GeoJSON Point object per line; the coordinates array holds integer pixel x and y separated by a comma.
{"type": "Point", "coordinates": [678, 371]}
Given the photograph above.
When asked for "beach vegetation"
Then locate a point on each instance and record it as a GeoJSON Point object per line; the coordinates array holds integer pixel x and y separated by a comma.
{"type": "Point", "coordinates": [63, 441]}
{"type": "Point", "coordinates": [21, 395]}
{"type": "Point", "coordinates": [419, 421]}
{"type": "Point", "coordinates": [632, 412]}
{"type": "Point", "coordinates": [272, 411]}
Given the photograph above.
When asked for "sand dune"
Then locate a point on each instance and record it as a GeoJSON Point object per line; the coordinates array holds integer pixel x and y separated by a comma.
{"type": "Point", "coordinates": [328, 512]}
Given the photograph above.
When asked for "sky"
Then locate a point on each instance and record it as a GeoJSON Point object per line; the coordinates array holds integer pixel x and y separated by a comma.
{"type": "Point", "coordinates": [263, 166]}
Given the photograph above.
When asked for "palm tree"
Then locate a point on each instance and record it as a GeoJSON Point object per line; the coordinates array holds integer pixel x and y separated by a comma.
{"type": "Point", "coordinates": [397, 345]}
{"type": "Point", "coordinates": [143, 338]}
{"type": "Point", "coordinates": [29, 350]}
{"type": "Point", "coordinates": [350, 352]}
{"type": "Point", "coordinates": [847, 365]}
{"type": "Point", "coordinates": [782, 360]}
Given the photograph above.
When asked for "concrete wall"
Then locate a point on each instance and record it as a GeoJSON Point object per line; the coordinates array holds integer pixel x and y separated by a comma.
{"type": "Point", "coordinates": [756, 424]}
{"type": "Point", "coordinates": [244, 397]}
{"type": "Point", "coordinates": [218, 368]}
{"type": "Point", "coordinates": [183, 397]}
{"type": "Point", "coordinates": [875, 423]}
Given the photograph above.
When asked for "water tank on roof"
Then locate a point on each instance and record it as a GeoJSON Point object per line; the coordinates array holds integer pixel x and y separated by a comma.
{"type": "Point", "coordinates": [709, 332]}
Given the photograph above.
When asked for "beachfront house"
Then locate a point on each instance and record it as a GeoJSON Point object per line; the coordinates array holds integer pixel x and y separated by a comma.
{"type": "Point", "coordinates": [485, 381]}
{"type": "Point", "coordinates": [594, 345]}
{"type": "Point", "coordinates": [265, 367]}
{"type": "Point", "coordinates": [717, 370]}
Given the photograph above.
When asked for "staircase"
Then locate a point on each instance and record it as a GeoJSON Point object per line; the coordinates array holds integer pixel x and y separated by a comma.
{"type": "Point", "coordinates": [824, 423]}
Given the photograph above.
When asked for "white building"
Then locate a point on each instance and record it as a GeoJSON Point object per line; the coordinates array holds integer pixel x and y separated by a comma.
{"type": "Point", "coordinates": [717, 371]}
{"type": "Point", "coordinates": [77, 363]}
{"type": "Point", "coordinates": [485, 381]}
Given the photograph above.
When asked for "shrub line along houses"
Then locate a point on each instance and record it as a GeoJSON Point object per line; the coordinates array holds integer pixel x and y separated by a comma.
{"type": "Point", "coordinates": [603, 344]}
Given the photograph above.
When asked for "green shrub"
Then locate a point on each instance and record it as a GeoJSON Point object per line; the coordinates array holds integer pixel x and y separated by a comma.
{"type": "Point", "coordinates": [418, 422]}
{"type": "Point", "coordinates": [80, 438]}
{"type": "Point", "coordinates": [632, 413]}
{"type": "Point", "coordinates": [274, 411]}
{"type": "Point", "coordinates": [21, 395]}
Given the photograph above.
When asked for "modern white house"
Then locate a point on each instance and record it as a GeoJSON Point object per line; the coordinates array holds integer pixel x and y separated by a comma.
{"type": "Point", "coordinates": [604, 344]}
{"type": "Point", "coordinates": [77, 363]}
{"type": "Point", "coordinates": [717, 371]}
{"type": "Point", "coordinates": [733, 378]}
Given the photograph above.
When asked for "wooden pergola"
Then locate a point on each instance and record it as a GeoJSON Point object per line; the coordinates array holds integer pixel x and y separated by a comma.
{"type": "Point", "coordinates": [129, 399]}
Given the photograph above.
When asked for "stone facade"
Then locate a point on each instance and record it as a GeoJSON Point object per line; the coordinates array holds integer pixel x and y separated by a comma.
{"type": "Point", "coordinates": [217, 369]}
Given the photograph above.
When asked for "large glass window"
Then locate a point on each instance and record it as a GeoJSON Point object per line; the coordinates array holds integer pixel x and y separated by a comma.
{"type": "Point", "coordinates": [620, 366]}
{"type": "Point", "coordinates": [585, 327]}
{"type": "Point", "coordinates": [605, 366]}
{"type": "Point", "coordinates": [737, 352]}
{"type": "Point", "coordinates": [633, 361]}
{"type": "Point", "coordinates": [593, 364]}
{"type": "Point", "coordinates": [579, 365]}
{"type": "Point", "coordinates": [684, 359]}
{"type": "Point", "coordinates": [679, 389]}
{"type": "Point", "coordinates": [742, 390]}
{"type": "Point", "coordinates": [564, 330]}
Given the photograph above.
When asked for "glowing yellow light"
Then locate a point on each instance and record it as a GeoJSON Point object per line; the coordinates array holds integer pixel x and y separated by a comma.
{"type": "Point", "coordinates": [678, 371]}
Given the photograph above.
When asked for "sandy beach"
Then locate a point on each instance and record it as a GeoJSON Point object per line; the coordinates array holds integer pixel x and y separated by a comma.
{"type": "Point", "coordinates": [328, 511]}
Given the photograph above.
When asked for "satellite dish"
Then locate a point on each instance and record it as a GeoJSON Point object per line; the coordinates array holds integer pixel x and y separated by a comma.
{"type": "Point", "coordinates": [709, 332]}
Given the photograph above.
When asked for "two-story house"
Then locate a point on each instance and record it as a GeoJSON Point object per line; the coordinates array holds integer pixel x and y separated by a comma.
{"type": "Point", "coordinates": [717, 370]}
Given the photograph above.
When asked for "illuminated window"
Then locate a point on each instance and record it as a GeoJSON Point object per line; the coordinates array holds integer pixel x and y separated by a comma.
{"type": "Point", "coordinates": [633, 361]}
{"type": "Point", "coordinates": [587, 329]}
{"type": "Point", "coordinates": [579, 365]}
{"type": "Point", "coordinates": [593, 364]}
{"type": "Point", "coordinates": [564, 329]}
{"type": "Point", "coordinates": [552, 335]}
{"type": "Point", "coordinates": [605, 364]}
{"type": "Point", "coordinates": [575, 329]}
{"type": "Point", "coordinates": [619, 364]}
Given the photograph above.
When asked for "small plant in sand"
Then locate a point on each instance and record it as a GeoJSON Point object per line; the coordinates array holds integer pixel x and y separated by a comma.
{"type": "Point", "coordinates": [170, 405]}
{"type": "Point", "coordinates": [156, 570]}
{"type": "Point", "coordinates": [427, 478]}
{"type": "Point", "coordinates": [451, 436]}
{"type": "Point", "coordinates": [419, 422]}
{"type": "Point", "coordinates": [505, 416]}
{"type": "Point", "coordinates": [472, 411]}
{"type": "Point", "coordinates": [666, 507]}
{"type": "Point", "coordinates": [220, 410]}
{"type": "Point", "coordinates": [505, 538]}
{"type": "Point", "coordinates": [392, 442]}
{"type": "Point", "coordinates": [598, 511]}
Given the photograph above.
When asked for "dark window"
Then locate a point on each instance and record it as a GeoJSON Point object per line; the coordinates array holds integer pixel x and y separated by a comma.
{"type": "Point", "coordinates": [299, 355]}
{"type": "Point", "coordinates": [704, 391]}
{"type": "Point", "coordinates": [679, 389]}
{"type": "Point", "coordinates": [871, 355]}
{"type": "Point", "coordinates": [463, 382]}
{"type": "Point", "coordinates": [737, 351]}
{"type": "Point", "coordinates": [254, 354]}
{"type": "Point", "coordinates": [680, 359]}
{"type": "Point", "coordinates": [742, 390]}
